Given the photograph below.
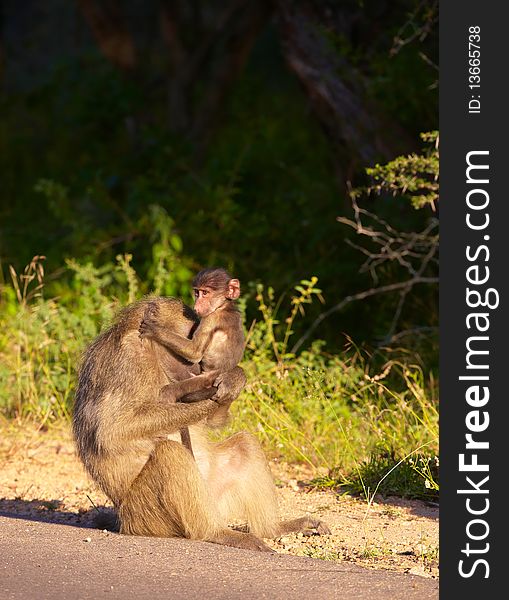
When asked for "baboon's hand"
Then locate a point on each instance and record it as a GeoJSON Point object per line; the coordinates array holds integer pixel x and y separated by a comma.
{"type": "Point", "coordinates": [229, 385]}
{"type": "Point", "coordinates": [209, 377]}
{"type": "Point", "coordinates": [223, 394]}
{"type": "Point", "coordinates": [149, 322]}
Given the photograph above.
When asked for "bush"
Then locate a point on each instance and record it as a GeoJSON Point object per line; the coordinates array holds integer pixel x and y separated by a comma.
{"type": "Point", "coordinates": [326, 410]}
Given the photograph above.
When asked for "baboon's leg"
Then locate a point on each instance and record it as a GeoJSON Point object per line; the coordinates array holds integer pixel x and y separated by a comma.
{"type": "Point", "coordinates": [179, 389]}
{"type": "Point", "coordinates": [221, 416]}
{"type": "Point", "coordinates": [204, 394]}
{"type": "Point", "coordinates": [241, 484]}
{"type": "Point", "coordinates": [185, 438]}
{"type": "Point", "coordinates": [245, 489]}
{"type": "Point", "coordinates": [169, 499]}
{"type": "Point", "coordinates": [306, 525]}
{"type": "Point", "coordinates": [158, 502]}
{"type": "Point", "coordinates": [188, 390]}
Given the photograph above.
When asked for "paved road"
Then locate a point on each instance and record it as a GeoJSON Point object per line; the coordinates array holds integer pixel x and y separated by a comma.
{"type": "Point", "coordinates": [49, 561]}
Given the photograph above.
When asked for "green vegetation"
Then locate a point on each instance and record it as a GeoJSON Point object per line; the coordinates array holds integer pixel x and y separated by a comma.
{"type": "Point", "coordinates": [132, 165]}
{"type": "Point", "coordinates": [85, 149]}
{"type": "Point", "coordinates": [415, 175]}
{"type": "Point", "coordinates": [328, 410]}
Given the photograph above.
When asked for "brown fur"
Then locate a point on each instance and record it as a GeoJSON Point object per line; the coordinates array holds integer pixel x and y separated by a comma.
{"type": "Point", "coordinates": [127, 439]}
{"type": "Point", "coordinates": [217, 343]}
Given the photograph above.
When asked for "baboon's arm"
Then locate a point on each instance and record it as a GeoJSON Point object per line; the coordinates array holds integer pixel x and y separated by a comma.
{"type": "Point", "coordinates": [192, 350]}
{"type": "Point", "coordinates": [159, 418]}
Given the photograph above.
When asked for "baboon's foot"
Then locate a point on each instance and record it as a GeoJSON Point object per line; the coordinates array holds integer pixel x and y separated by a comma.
{"type": "Point", "coordinates": [237, 539]}
{"type": "Point", "coordinates": [306, 525]}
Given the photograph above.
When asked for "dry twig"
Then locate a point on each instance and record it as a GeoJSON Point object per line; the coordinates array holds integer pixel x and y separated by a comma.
{"type": "Point", "coordinates": [415, 252]}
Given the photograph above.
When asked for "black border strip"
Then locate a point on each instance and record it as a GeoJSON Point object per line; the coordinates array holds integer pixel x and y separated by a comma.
{"type": "Point", "coordinates": [462, 411]}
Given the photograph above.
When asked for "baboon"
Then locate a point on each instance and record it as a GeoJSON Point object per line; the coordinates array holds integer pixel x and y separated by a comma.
{"type": "Point", "coordinates": [218, 341]}
{"type": "Point", "coordinates": [127, 437]}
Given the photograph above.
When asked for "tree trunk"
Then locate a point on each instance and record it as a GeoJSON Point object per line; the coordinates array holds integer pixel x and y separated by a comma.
{"type": "Point", "coordinates": [240, 36]}
{"type": "Point", "coordinates": [335, 90]}
{"type": "Point", "coordinates": [110, 31]}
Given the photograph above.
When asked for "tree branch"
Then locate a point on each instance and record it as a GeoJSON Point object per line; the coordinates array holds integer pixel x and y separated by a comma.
{"type": "Point", "coordinates": [415, 252]}
{"type": "Point", "coordinates": [360, 296]}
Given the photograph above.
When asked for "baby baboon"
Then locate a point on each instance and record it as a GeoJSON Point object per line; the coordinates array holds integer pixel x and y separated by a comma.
{"type": "Point", "coordinates": [218, 341]}
{"type": "Point", "coordinates": [126, 436]}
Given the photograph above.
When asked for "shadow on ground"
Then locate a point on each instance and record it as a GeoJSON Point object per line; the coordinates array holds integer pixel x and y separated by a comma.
{"type": "Point", "coordinates": [50, 511]}
{"type": "Point", "coordinates": [420, 508]}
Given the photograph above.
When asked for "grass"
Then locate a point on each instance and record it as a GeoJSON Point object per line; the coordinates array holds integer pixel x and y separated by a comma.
{"type": "Point", "coordinates": [389, 475]}
{"type": "Point", "coordinates": [323, 554]}
{"type": "Point", "coordinates": [429, 554]}
{"type": "Point", "coordinates": [368, 429]}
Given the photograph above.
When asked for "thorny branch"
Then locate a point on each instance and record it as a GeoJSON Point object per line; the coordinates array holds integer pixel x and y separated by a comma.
{"type": "Point", "coordinates": [419, 25]}
{"type": "Point", "coordinates": [415, 252]}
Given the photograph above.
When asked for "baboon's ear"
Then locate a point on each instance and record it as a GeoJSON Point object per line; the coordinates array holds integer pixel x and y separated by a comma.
{"type": "Point", "coordinates": [233, 289]}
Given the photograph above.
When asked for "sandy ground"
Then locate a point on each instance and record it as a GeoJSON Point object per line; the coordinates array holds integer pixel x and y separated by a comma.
{"type": "Point", "coordinates": [41, 478]}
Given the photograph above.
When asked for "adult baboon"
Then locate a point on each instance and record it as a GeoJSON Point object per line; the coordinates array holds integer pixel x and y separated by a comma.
{"type": "Point", "coordinates": [127, 437]}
